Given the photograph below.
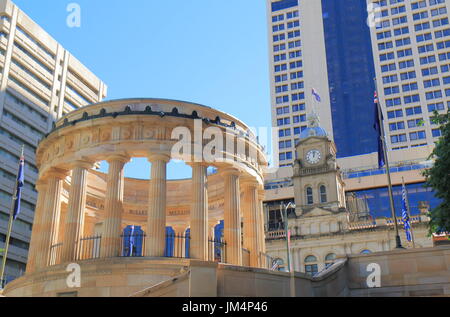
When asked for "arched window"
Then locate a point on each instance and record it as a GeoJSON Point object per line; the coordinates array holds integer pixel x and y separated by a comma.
{"type": "Point", "coordinates": [170, 242]}
{"type": "Point", "coordinates": [329, 260]}
{"type": "Point", "coordinates": [309, 196]}
{"type": "Point", "coordinates": [311, 265]}
{"type": "Point", "coordinates": [323, 194]}
{"type": "Point", "coordinates": [366, 252]}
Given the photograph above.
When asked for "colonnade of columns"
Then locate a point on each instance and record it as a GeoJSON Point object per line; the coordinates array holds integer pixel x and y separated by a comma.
{"type": "Point", "coordinates": [48, 209]}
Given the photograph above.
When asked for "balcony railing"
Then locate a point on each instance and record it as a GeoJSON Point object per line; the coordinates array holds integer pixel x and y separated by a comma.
{"type": "Point", "coordinates": [85, 249]}
{"type": "Point", "coordinates": [88, 248]}
{"type": "Point", "coordinates": [133, 245]}
{"type": "Point", "coordinates": [217, 250]}
{"type": "Point", "coordinates": [177, 246]}
{"type": "Point", "coordinates": [55, 254]}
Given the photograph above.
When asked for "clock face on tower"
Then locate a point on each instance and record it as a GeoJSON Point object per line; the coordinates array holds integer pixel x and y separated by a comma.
{"type": "Point", "coordinates": [313, 157]}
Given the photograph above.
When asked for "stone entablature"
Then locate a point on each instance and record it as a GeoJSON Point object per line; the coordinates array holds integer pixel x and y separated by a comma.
{"type": "Point", "coordinates": [137, 127]}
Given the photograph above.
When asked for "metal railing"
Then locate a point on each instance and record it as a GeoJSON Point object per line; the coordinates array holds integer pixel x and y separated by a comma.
{"type": "Point", "coordinates": [370, 171]}
{"type": "Point", "coordinates": [88, 248]}
{"type": "Point", "coordinates": [217, 250]}
{"type": "Point", "coordinates": [55, 254]}
{"type": "Point", "coordinates": [177, 246]}
{"type": "Point", "coordinates": [133, 245]}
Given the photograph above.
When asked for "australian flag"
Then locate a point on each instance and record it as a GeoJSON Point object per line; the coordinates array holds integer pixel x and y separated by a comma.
{"type": "Point", "coordinates": [19, 186]}
{"type": "Point", "coordinates": [405, 215]}
{"type": "Point", "coordinates": [377, 127]}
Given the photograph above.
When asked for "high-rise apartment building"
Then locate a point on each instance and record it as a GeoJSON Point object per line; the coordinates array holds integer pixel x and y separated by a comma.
{"type": "Point", "coordinates": [325, 46]}
{"type": "Point", "coordinates": [411, 45]}
{"type": "Point", "coordinates": [40, 81]}
{"type": "Point", "coordinates": [338, 48]}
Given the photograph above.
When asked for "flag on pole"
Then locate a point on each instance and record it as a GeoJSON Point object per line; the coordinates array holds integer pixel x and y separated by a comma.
{"type": "Point", "coordinates": [19, 186]}
{"type": "Point", "coordinates": [378, 128]}
{"type": "Point", "coordinates": [405, 214]}
{"type": "Point", "coordinates": [289, 253]}
{"type": "Point", "coordinates": [316, 95]}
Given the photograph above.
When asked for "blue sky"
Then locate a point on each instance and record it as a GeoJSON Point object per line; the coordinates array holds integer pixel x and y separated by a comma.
{"type": "Point", "coordinates": [212, 52]}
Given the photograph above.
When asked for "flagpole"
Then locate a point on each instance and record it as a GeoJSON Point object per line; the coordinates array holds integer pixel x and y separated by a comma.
{"type": "Point", "coordinates": [10, 225]}
{"type": "Point", "coordinates": [286, 231]}
{"type": "Point", "coordinates": [409, 214]}
{"type": "Point", "coordinates": [398, 241]}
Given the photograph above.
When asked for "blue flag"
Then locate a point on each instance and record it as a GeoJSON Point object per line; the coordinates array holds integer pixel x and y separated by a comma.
{"type": "Point", "coordinates": [20, 183]}
{"type": "Point", "coordinates": [316, 95]}
{"type": "Point", "coordinates": [377, 127]}
{"type": "Point", "coordinates": [405, 215]}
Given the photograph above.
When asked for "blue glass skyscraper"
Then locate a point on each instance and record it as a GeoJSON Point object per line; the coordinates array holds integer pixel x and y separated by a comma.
{"type": "Point", "coordinates": [322, 46]}
{"type": "Point", "coordinates": [351, 76]}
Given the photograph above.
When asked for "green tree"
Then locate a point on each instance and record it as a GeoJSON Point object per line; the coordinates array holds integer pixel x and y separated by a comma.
{"type": "Point", "coordinates": [438, 177]}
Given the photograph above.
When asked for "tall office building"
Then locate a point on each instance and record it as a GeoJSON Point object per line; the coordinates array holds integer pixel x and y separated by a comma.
{"type": "Point", "coordinates": [331, 46]}
{"type": "Point", "coordinates": [325, 46]}
{"type": "Point", "coordinates": [411, 45]}
{"type": "Point", "coordinates": [40, 81]}
{"type": "Point", "coordinates": [338, 48]}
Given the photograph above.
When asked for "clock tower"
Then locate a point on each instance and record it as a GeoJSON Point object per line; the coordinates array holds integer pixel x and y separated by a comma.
{"type": "Point", "coordinates": [317, 178]}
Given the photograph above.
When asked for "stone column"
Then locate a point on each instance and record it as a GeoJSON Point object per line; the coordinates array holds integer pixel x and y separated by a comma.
{"type": "Point", "coordinates": [112, 226]}
{"type": "Point", "coordinates": [74, 223]}
{"type": "Point", "coordinates": [41, 187]}
{"type": "Point", "coordinates": [298, 261]}
{"type": "Point", "coordinates": [48, 233]}
{"type": "Point", "coordinates": [250, 206]}
{"type": "Point", "coordinates": [232, 217]}
{"type": "Point", "coordinates": [156, 222]}
{"type": "Point", "coordinates": [199, 213]}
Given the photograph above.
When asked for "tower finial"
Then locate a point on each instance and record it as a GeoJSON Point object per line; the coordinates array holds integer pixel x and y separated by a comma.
{"type": "Point", "coordinates": [313, 120]}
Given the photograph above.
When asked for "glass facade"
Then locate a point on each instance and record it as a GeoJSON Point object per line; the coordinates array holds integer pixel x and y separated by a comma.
{"type": "Point", "coordinates": [378, 199]}
{"type": "Point", "coordinates": [350, 75]}
{"type": "Point", "coordinates": [411, 48]}
{"type": "Point", "coordinates": [284, 4]}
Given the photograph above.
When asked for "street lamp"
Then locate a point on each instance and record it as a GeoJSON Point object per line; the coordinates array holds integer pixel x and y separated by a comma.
{"type": "Point", "coordinates": [286, 229]}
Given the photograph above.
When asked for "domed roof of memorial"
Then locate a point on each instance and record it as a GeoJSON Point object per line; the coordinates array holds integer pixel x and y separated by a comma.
{"type": "Point", "coordinates": [313, 129]}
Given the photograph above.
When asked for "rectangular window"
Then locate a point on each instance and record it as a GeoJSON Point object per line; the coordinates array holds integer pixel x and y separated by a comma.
{"type": "Point", "coordinates": [283, 4]}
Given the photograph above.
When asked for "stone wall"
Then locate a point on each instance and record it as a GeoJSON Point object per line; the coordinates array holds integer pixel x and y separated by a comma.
{"type": "Point", "coordinates": [413, 272]}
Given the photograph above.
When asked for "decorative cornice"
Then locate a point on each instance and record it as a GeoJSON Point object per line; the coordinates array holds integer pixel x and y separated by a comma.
{"type": "Point", "coordinates": [147, 112]}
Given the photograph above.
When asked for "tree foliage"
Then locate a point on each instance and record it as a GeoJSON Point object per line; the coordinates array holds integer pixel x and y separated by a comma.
{"type": "Point", "coordinates": [438, 177]}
